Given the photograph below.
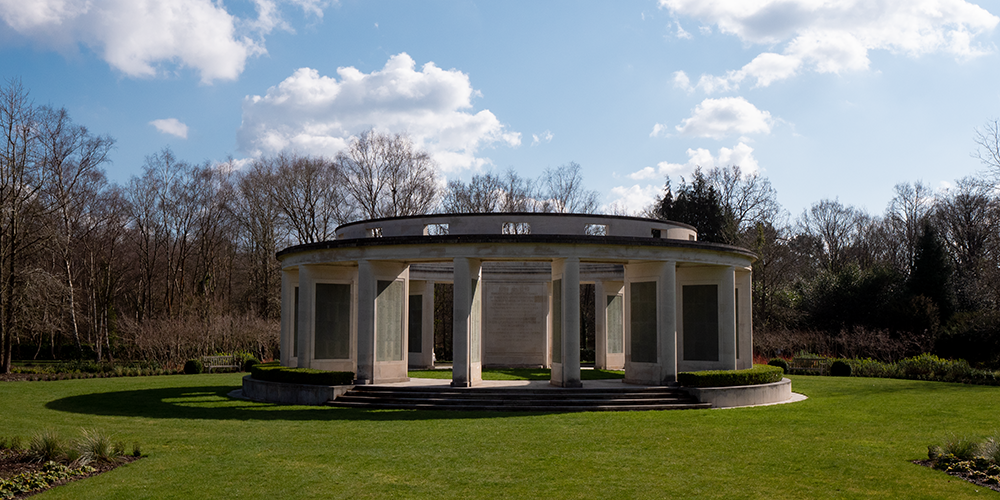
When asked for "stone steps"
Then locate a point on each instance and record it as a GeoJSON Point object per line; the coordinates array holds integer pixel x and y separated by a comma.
{"type": "Point", "coordinates": [518, 399]}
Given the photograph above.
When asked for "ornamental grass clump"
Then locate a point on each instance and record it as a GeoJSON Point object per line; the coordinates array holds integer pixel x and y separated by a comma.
{"type": "Point", "coordinates": [95, 446]}
{"type": "Point", "coordinates": [972, 460]}
{"type": "Point", "coordinates": [46, 446]}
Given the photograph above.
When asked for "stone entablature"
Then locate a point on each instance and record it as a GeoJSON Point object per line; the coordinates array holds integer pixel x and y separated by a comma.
{"type": "Point", "coordinates": [663, 304]}
{"type": "Point", "coordinates": [520, 223]}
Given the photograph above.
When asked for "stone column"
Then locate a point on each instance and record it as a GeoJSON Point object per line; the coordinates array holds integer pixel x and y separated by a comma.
{"type": "Point", "coordinates": [571, 323]}
{"type": "Point", "coordinates": [307, 306]}
{"type": "Point", "coordinates": [427, 327]}
{"type": "Point", "coordinates": [366, 324]}
{"type": "Point", "coordinates": [744, 320]}
{"type": "Point", "coordinates": [600, 327]}
{"type": "Point", "coordinates": [288, 279]}
{"type": "Point", "coordinates": [466, 367]}
{"type": "Point", "coordinates": [666, 322]}
{"type": "Point", "coordinates": [727, 319]}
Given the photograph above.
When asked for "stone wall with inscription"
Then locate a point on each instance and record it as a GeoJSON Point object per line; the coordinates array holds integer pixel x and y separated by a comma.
{"type": "Point", "coordinates": [514, 330]}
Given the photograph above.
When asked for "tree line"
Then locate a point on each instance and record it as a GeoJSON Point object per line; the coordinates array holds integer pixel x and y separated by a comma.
{"type": "Point", "coordinates": [922, 276]}
{"type": "Point", "coordinates": [180, 260]}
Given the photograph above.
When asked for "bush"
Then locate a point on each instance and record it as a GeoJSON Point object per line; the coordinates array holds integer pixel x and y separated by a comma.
{"type": "Point", "coordinates": [759, 374]}
{"type": "Point", "coordinates": [840, 368]}
{"type": "Point", "coordinates": [780, 363]}
{"type": "Point", "coordinates": [249, 363]}
{"type": "Point", "coordinates": [273, 372]}
{"type": "Point", "coordinates": [193, 367]}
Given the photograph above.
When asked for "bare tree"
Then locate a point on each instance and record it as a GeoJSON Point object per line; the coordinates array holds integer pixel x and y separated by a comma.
{"type": "Point", "coordinates": [310, 192]}
{"type": "Point", "coordinates": [260, 234]}
{"type": "Point", "coordinates": [564, 191]}
{"type": "Point", "coordinates": [491, 193]}
{"type": "Point", "coordinates": [904, 217]}
{"type": "Point", "coordinates": [21, 180]}
{"type": "Point", "coordinates": [988, 152]}
{"type": "Point", "coordinates": [387, 177]}
{"type": "Point", "coordinates": [836, 226]}
{"type": "Point", "coordinates": [969, 220]}
{"type": "Point", "coordinates": [747, 199]}
{"type": "Point", "coordinates": [71, 159]}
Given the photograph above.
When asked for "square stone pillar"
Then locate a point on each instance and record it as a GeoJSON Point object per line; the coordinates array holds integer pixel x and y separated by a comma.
{"type": "Point", "coordinates": [651, 322]}
{"type": "Point", "coordinates": [666, 323]}
{"type": "Point", "coordinates": [289, 317]}
{"type": "Point", "coordinates": [744, 320]}
{"type": "Point", "coordinates": [307, 304]}
{"type": "Point", "coordinates": [600, 327]}
{"type": "Point", "coordinates": [427, 326]}
{"type": "Point", "coordinates": [366, 324]}
{"type": "Point", "coordinates": [467, 366]}
{"type": "Point", "coordinates": [567, 372]}
{"type": "Point", "coordinates": [606, 357]}
{"type": "Point", "coordinates": [727, 318]}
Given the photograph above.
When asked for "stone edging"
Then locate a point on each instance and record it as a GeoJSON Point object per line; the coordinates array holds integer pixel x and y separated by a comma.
{"type": "Point", "coordinates": [295, 394]}
{"type": "Point", "coordinates": [743, 395]}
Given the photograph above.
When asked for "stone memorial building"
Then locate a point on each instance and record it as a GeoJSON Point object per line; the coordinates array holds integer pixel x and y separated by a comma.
{"type": "Point", "coordinates": [665, 302]}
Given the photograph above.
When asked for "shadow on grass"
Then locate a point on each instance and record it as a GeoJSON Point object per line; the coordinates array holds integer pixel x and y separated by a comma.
{"type": "Point", "coordinates": [213, 403]}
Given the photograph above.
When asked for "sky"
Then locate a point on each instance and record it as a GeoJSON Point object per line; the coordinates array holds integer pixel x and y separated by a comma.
{"type": "Point", "coordinates": [828, 99]}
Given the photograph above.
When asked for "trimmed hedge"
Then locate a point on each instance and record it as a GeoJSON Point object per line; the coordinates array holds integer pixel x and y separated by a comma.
{"type": "Point", "coordinates": [273, 372]}
{"type": "Point", "coordinates": [759, 374]}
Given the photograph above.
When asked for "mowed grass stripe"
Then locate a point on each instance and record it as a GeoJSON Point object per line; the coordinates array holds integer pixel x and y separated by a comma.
{"type": "Point", "coordinates": [854, 438]}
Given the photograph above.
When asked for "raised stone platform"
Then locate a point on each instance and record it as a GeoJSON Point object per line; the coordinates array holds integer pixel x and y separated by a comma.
{"type": "Point", "coordinates": [514, 395]}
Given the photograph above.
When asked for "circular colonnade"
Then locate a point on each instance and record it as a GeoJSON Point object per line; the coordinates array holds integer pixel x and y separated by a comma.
{"type": "Point", "coordinates": [664, 302]}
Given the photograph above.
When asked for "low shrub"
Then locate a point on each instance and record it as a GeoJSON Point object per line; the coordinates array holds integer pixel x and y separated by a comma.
{"type": "Point", "coordinates": [45, 446]}
{"type": "Point", "coordinates": [193, 367]}
{"type": "Point", "coordinates": [840, 368]}
{"type": "Point", "coordinates": [780, 363]}
{"type": "Point", "coordinates": [273, 372]}
{"type": "Point", "coordinates": [28, 482]}
{"type": "Point", "coordinates": [759, 374]}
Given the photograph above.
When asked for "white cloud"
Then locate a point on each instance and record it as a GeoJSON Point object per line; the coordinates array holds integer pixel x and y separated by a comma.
{"type": "Point", "coordinates": [171, 126]}
{"type": "Point", "coordinates": [717, 118]}
{"type": "Point", "coordinates": [681, 32]}
{"type": "Point", "coordinates": [315, 114]}
{"type": "Point", "coordinates": [144, 38]}
{"type": "Point", "coordinates": [835, 36]}
{"type": "Point", "coordinates": [658, 128]}
{"type": "Point", "coordinates": [635, 198]}
{"type": "Point", "coordinates": [741, 154]}
{"type": "Point", "coordinates": [537, 139]}
{"type": "Point", "coordinates": [639, 196]}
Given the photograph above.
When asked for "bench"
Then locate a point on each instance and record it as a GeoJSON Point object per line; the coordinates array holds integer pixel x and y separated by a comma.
{"type": "Point", "coordinates": [808, 363]}
{"type": "Point", "coordinates": [228, 361]}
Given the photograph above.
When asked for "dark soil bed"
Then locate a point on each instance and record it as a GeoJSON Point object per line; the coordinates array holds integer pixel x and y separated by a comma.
{"type": "Point", "coordinates": [14, 463]}
{"type": "Point", "coordinates": [960, 475]}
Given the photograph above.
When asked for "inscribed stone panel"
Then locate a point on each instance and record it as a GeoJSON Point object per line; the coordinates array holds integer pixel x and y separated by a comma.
{"type": "Point", "coordinates": [475, 323]}
{"type": "Point", "coordinates": [515, 325]}
{"type": "Point", "coordinates": [701, 322]}
{"type": "Point", "coordinates": [389, 321]}
{"type": "Point", "coordinates": [557, 321]}
{"type": "Point", "coordinates": [642, 321]}
{"type": "Point", "coordinates": [416, 323]}
{"type": "Point", "coordinates": [614, 322]}
{"type": "Point", "coordinates": [295, 325]}
{"type": "Point", "coordinates": [333, 321]}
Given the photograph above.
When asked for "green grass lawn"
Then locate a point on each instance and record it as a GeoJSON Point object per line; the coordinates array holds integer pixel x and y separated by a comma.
{"type": "Point", "coordinates": [854, 438]}
{"type": "Point", "coordinates": [520, 374]}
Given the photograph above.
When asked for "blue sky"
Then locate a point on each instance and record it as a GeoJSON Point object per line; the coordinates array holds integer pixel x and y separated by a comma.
{"type": "Point", "coordinates": [828, 99]}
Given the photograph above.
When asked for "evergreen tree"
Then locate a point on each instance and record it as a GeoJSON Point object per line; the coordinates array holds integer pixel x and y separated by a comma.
{"type": "Point", "coordinates": [698, 204]}
{"type": "Point", "coordinates": [931, 275]}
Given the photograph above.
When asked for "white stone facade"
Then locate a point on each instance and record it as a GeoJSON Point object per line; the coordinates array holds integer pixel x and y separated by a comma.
{"type": "Point", "coordinates": [664, 303]}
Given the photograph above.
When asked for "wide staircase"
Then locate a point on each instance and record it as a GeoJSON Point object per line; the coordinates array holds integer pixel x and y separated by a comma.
{"type": "Point", "coordinates": [517, 399]}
